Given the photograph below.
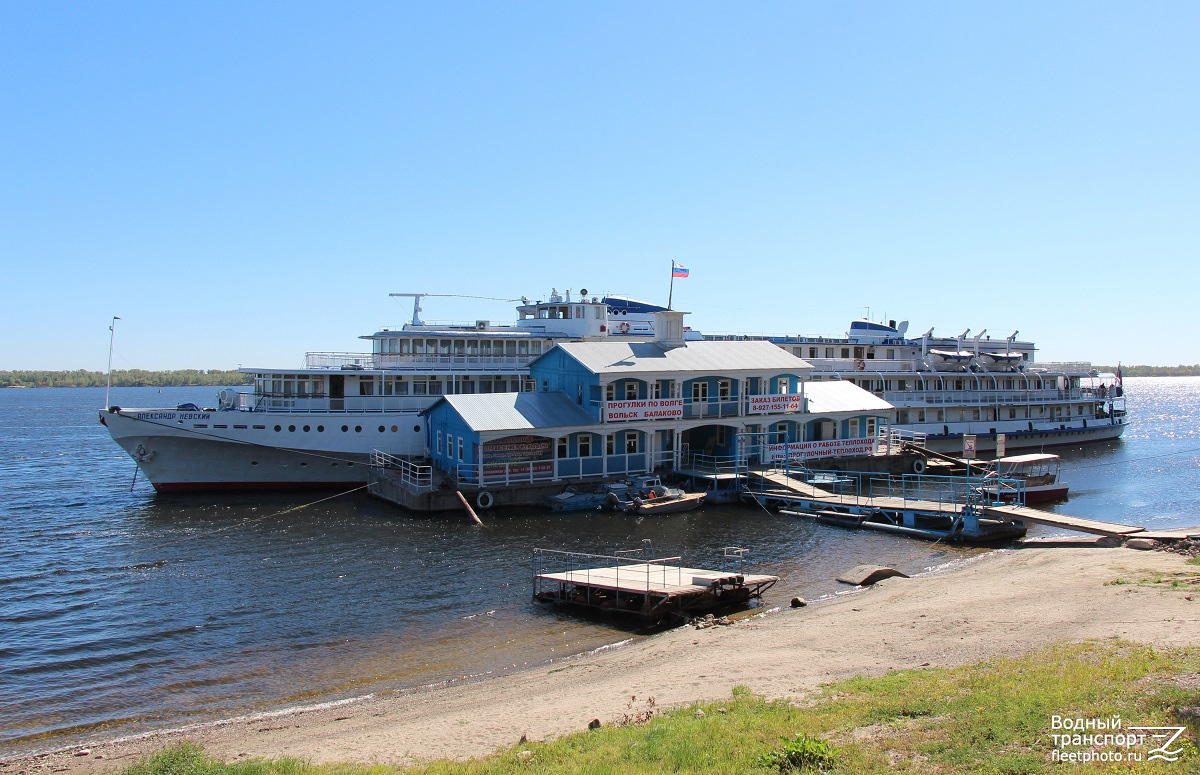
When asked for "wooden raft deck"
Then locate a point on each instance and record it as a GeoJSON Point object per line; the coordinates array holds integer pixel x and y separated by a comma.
{"type": "Point", "coordinates": [651, 578]}
{"type": "Point", "coordinates": [1080, 524]}
{"type": "Point", "coordinates": [654, 591]}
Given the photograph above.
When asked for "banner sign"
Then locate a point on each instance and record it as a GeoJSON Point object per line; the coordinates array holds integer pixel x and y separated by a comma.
{"type": "Point", "coordinates": [516, 449]}
{"type": "Point", "coordinates": [969, 446]}
{"type": "Point", "coordinates": [799, 450]}
{"type": "Point", "coordinates": [649, 409]}
{"type": "Point", "coordinates": [776, 402]}
{"type": "Point", "coordinates": [1001, 445]}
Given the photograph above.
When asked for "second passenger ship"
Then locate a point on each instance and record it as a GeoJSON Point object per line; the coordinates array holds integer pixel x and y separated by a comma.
{"type": "Point", "coordinates": [317, 426]}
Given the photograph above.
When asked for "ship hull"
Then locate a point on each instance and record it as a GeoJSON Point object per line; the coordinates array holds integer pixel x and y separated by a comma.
{"type": "Point", "coordinates": [175, 457]}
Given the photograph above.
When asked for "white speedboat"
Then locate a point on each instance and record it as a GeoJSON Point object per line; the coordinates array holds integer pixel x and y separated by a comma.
{"type": "Point", "coordinates": [317, 426]}
{"type": "Point", "coordinates": [1034, 478]}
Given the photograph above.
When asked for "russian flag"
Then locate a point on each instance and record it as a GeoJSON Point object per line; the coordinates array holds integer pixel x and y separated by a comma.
{"type": "Point", "coordinates": [678, 270]}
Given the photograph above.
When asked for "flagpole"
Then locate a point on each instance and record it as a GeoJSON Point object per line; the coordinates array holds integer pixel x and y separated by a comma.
{"type": "Point", "coordinates": [671, 293]}
{"type": "Point", "coordinates": [112, 331]}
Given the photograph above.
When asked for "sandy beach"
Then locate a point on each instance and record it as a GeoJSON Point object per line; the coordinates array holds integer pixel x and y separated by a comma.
{"type": "Point", "coordinates": [1000, 604]}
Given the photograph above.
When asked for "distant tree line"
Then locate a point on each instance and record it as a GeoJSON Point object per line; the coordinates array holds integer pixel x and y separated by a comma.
{"type": "Point", "coordinates": [124, 378]}
{"type": "Point", "coordinates": [1155, 371]}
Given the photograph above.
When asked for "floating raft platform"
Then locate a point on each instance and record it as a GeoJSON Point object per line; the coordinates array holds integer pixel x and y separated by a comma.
{"type": "Point", "coordinates": [652, 589]}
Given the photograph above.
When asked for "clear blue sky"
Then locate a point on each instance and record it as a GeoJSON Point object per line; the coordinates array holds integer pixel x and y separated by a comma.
{"type": "Point", "coordinates": [245, 182]}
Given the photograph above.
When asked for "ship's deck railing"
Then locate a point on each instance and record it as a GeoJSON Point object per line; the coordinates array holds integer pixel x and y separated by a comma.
{"type": "Point", "coordinates": [858, 488]}
{"type": "Point", "coordinates": [711, 464]}
{"type": "Point", "coordinates": [917, 398]}
{"type": "Point", "coordinates": [892, 439]}
{"type": "Point", "coordinates": [414, 476]}
{"type": "Point", "coordinates": [414, 361]}
{"type": "Point", "coordinates": [558, 469]}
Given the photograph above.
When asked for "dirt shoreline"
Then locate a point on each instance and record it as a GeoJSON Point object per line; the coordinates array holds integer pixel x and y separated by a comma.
{"type": "Point", "coordinates": [1001, 604]}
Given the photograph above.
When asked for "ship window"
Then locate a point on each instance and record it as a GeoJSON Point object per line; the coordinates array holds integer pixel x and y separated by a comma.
{"type": "Point", "coordinates": [858, 352]}
{"type": "Point", "coordinates": [366, 386]}
{"type": "Point", "coordinates": [535, 347]}
{"type": "Point", "coordinates": [828, 352]}
{"type": "Point", "coordinates": [435, 387]}
{"type": "Point", "coordinates": [974, 414]}
{"type": "Point", "coordinates": [523, 347]}
{"type": "Point", "coordinates": [845, 352]}
{"type": "Point", "coordinates": [812, 352]}
{"type": "Point", "coordinates": [485, 347]}
{"type": "Point", "coordinates": [510, 347]}
{"type": "Point", "coordinates": [920, 415]}
{"type": "Point", "coordinates": [460, 346]}
{"type": "Point", "coordinates": [941, 415]}
{"type": "Point", "coordinates": [472, 347]}
{"type": "Point", "coordinates": [466, 386]}
{"type": "Point", "coordinates": [891, 355]}
{"type": "Point", "coordinates": [579, 312]}
{"type": "Point", "coordinates": [420, 387]}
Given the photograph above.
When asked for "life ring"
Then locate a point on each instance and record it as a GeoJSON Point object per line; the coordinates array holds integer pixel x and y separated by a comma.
{"type": "Point", "coordinates": [624, 327]}
{"type": "Point", "coordinates": [484, 499]}
{"type": "Point", "coordinates": [919, 466]}
{"type": "Point", "coordinates": [860, 364]}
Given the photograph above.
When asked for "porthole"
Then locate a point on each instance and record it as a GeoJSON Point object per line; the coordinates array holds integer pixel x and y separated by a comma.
{"type": "Point", "coordinates": [291, 429]}
{"type": "Point", "coordinates": [253, 462]}
{"type": "Point", "coordinates": [382, 429]}
{"type": "Point", "coordinates": [345, 428]}
{"type": "Point", "coordinates": [303, 465]}
{"type": "Point", "coordinates": [320, 429]}
{"type": "Point", "coordinates": [306, 429]}
{"type": "Point", "coordinates": [358, 429]}
{"type": "Point", "coordinates": [278, 429]}
{"type": "Point", "coordinates": [416, 429]}
{"type": "Point", "coordinates": [394, 429]}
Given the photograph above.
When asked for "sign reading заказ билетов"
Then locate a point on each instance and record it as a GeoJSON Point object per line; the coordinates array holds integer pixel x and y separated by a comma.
{"type": "Point", "coordinates": [830, 448]}
{"type": "Point", "coordinates": [776, 402]}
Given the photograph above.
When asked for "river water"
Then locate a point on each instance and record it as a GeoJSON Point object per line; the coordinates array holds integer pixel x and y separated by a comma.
{"type": "Point", "coordinates": [123, 612]}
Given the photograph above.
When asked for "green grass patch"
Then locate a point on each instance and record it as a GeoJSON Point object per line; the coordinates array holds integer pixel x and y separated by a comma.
{"type": "Point", "coordinates": [993, 717]}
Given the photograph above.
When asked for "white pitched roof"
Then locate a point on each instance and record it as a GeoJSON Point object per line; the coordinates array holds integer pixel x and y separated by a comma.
{"type": "Point", "coordinates": [697, 357]}
{"type": "Point", "coordinates": [838, 396]}
{"type": "Point", "coordinates": [517, 411]}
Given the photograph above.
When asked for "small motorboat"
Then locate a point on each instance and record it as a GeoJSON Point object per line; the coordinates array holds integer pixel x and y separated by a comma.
{"type": "Point", "coordinates": [657, 499]}
{"type": "Point", "coordinates": [1035, 474]}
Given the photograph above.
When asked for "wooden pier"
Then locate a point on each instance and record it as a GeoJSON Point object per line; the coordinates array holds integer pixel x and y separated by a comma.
{"type": "Point", "coordinates": [941, 519]}
{"type": "Point", "coordinates": [653, 589]}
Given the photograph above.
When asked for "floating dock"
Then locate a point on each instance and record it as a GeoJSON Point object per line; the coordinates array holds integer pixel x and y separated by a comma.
{"type": "Point", "coordinates": [950, 508]}
{"type": "Point", "coordinates": [651, 589]}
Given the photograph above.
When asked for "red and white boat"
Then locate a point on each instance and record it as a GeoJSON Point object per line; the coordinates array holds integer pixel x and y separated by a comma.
{"type": "Point", "coordinates": [1036, 475]}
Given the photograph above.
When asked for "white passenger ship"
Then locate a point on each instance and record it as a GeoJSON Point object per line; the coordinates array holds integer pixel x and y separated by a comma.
{"type": "Point", "coordinates": [945, 387]}
{"type": "Point", "coordinates": [317, 426]}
